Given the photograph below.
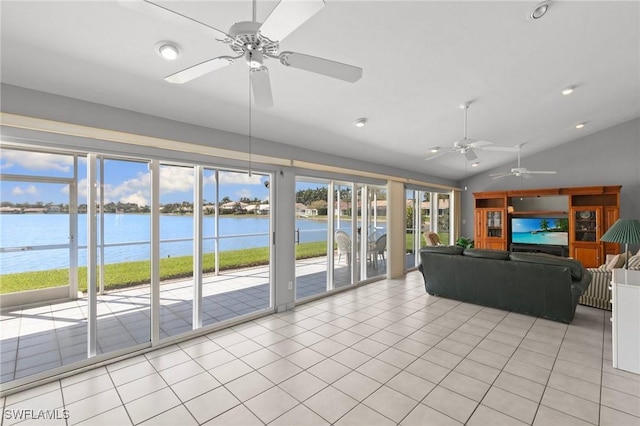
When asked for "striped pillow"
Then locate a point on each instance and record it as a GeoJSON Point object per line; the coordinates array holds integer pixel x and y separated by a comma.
{"type": "Point", "coordinates": [634, 262]}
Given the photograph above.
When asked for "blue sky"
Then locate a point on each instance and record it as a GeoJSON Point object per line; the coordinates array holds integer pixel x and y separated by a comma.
{"type": "Point", "coordinates": [125, 181]}
{"type": "Point", "coordinates": [528, 224]}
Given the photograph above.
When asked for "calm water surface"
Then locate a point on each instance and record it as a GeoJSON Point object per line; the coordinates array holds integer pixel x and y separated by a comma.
{"type": "Point", "coordinates": [34, 230]}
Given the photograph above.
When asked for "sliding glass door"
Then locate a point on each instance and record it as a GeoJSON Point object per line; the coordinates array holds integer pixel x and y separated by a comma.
{"type": "Point", "coordinates": [77, 244]}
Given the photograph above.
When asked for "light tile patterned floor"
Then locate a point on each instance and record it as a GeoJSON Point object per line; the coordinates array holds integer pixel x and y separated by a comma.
{"type": "Point", "coordinates": [37, 339]}
{"type": "Point", "coordinates": [381, 354]}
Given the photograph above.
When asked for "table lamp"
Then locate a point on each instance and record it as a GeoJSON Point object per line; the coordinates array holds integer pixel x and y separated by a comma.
{"type": "Point", "coordinates": [623, 231]}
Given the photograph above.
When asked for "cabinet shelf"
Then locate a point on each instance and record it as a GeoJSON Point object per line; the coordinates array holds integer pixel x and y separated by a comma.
{"type": "Point", "coordinates": [539, 213]}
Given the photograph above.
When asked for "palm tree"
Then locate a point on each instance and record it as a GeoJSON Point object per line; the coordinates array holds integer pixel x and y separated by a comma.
{"type": "Point", "coordinates": [544, 224]}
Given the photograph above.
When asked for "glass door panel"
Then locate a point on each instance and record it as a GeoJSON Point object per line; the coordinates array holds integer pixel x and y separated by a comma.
{"type": "Point", "coordinates": [124, 255]}
{"type": "Point", "coordinates": [411, 229]}
{"type": "Point", "coordinates": [348, 256]}
{"type": "Point", "coordinates": [237, 249]}
{"type": "Point", "coordinates": [444, 217]}
{"type": "Point", "coordinates": [494, 224]}
{"type": "Point", "coordinates": [376, 226]}
{"type": "Point", "coordinates": [586, 223]}
{"type": "Point", "coordinates": [312, 238]}
{"type": "Point", "coordinates": [38, 264]}
{"type": "Point", "coordinates": [176, 249]}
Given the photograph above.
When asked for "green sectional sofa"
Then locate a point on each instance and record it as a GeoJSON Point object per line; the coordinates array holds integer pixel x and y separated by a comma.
{"type": "Point", "coordinates": [535, 284]}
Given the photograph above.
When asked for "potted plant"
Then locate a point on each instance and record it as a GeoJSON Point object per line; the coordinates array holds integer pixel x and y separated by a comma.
{"type": "Point", "coordinates": [464, 242]}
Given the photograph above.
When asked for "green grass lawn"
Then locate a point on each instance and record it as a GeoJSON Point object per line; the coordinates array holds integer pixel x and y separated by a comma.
{"type": "Point", "coordinates": [127, 274]}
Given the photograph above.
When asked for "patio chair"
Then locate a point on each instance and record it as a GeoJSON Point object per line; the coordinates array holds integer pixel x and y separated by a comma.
{"type": "Point", "coordinates": [344, 245]}
{"type": "Point", "coordinates": [377, 250]}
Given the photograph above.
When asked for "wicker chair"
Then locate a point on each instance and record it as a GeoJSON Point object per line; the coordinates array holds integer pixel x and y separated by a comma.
{"type": "Point", "coordinates": [432, 239]}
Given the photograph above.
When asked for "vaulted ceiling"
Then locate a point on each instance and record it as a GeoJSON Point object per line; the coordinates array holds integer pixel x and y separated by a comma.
{"type": "Point", "coordinates": [421, 60]}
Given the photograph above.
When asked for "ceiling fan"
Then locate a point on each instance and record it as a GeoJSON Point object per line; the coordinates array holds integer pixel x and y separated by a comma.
{"type": "Point", "coordinates": [255, 42]}
{"type": "Point", "coordinates": [467, 146]}
{"type": "Point", "coordinates": [522, 171]}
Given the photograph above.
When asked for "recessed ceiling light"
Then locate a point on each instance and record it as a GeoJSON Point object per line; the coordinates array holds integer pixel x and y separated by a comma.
{"type": "Point", "coordinates": [360, 122]}
{"type": "Point", "coordinates": [435, 149]}
{"type": "Point", "coordinates": [167, 50]}
{"type": "Point", "coordinates": [568, 90]}
{"type": "Point", "coordinates": [580, 125]}
{"type": "Point", "coordinates": [476, 164]}
{"type": "Point", "coordinates": [540, 10]}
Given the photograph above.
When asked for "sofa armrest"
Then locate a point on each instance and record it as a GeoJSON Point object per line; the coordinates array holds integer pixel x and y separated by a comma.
{"type": "Point", "coordinates": [598, 294]}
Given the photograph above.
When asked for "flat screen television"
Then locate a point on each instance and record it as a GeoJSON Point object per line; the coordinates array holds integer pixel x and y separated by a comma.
{"type": "Point", "coordinates": [551, 231]}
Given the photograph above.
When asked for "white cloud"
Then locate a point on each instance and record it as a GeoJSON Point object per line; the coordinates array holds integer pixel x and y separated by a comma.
{"type": "Point", "coordinates": [37, 161]}
{"type": "Point", "coordinates": [176, 179]}
{"type": "Point", "coordinates": [136, 190]}
{"type": "Point", "coordinates": [240, 178]}
{"type": "Point", "coordinates": [31, 190]}
{"type": "Point", "coordinates": [138, 198]}
{"type": "Point", "coordinates": [244, 193]}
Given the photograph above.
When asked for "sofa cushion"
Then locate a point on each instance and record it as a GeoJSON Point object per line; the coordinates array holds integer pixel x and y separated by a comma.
{"type": "Point", "coordinates": [487, 254]}
{"type": "Point", "coordinates": [618, 260]}
{"type": "Point", "coordinates": [548, 259]}
{"type": "Point", "coordinates": [443, 249]}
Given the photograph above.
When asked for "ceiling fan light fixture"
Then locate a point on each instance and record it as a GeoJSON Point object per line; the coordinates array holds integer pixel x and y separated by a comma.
{"type": "Point", "coordinates": [568, 90]}
{"type": "Point", "coordinates": [360, 122]}
{"type": "Point", "coordinates": [540, 10]}
{"type": "Point", "coordinates": [167, 50]}
{"type": "Point", "coordinates": [254, 59]}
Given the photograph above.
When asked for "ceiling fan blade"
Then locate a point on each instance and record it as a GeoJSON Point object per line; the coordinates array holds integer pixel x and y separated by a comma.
{"type": "Point", "coordinates": [155, 10]}
{"type": "Point", "coordinates": [199, 70]}
{"type": "Point", "coordinates": [287, 16]}
{"type": "Point", "coordinates": [261, 87]}
{"type": "Point", "coordinates": [500, 148]}
{"type": "Point", "coordinates": [479, 144]}
{"type": "Point", "coordinates": [500, 175]}
{"type": "Point", "coordinates": [321, 66]}
{"type": "Point", "coordinates": [431, 156]}
{"type": "Point", "coordinates": [470, 154]}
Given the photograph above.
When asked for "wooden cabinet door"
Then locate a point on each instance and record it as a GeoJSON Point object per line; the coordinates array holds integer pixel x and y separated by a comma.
{"type": "Point", "coordinates": [588, 254]}
{"type": "Point", "coordinates": [478, 225]}
{"type": "Point", "coordinates": [610, 217]}
{"type": "Point", "coordinates": [495, 245]}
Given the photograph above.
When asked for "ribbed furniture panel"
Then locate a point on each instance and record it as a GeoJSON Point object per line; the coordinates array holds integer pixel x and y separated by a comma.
{"type": "Point", "coordinates": [598, 294]}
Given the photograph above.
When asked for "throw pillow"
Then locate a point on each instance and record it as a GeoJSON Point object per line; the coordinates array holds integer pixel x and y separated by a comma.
{"type": "Point", "coordinates": [618, 260]}
{"type": "Point", "coordinates": [613, 263]}
{"type": "Point", "coordinates": [634, 262]}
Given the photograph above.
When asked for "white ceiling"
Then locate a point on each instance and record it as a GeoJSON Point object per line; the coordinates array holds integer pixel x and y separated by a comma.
{"type": "Point", "coordinates": [421, 60]}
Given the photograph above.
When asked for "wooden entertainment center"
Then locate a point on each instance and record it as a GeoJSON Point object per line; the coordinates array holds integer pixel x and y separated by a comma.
{"type": "Point", "coordinates": [590, 212]}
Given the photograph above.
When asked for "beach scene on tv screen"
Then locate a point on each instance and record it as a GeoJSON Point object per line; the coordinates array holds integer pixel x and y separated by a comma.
{"type": "Point", "coordinates": [550, 231]}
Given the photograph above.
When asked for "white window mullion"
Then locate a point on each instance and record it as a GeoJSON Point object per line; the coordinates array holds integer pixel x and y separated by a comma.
{"type": "Point", "coordinates": [354, 234]}
{"type": "Point", "coordinates": [92, 251]}
{"type": "Point", "coordinates": [331, 223]}
{"type": "Point", "coordinates": [155, 251]}
{"type": "Point", "coordinates": [197, 246]}
{"type": "Point", "coordinates": [73, 232]}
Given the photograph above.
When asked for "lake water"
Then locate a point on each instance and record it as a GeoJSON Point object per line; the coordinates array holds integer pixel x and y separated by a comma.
{"type": "Point", "coordinates": [33, 230]}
